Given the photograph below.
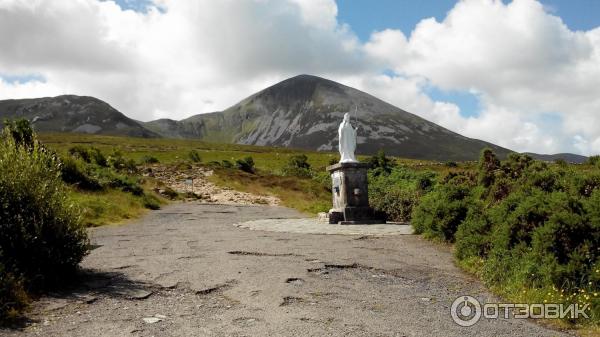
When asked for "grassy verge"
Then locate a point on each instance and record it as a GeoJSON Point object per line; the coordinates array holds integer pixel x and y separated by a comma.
{"type": "Point", "coordinates": [111, 206]}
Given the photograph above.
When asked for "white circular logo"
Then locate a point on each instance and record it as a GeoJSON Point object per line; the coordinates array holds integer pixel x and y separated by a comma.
{"type": "Point", "coordinates": [465, 311]}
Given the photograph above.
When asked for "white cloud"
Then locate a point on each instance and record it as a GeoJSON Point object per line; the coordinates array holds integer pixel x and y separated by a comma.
{"type": "Point", "coordinates": [522, 61]}
{"type": "Point", "coordinates": [200, 56]}
{"type": "Point", "coordinates": [192, 57]}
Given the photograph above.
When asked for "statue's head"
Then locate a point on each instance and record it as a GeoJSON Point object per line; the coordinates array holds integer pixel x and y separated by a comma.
{"type": "Point", "coordinates": [346, 117]}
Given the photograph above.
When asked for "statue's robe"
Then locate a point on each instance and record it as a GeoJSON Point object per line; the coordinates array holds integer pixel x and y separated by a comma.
{"type": "Point", "coordinates": [347, 136]}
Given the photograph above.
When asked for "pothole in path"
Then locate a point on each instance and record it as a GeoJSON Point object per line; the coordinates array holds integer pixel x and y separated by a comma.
{"type": "Point", "coordinates": [290, 300]}
{"type": "Point", "coordinates": [333, 267]}
{"type": "Point", "coordinates": [219, 288]}
{"type": "Point", "coordinates": [295, 281]}
{"type": "Point", "coordinates": [241, 252]}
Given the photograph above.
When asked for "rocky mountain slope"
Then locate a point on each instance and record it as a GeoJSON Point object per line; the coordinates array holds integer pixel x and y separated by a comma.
{"type": "Point", "coordinates": [71, 113]}
{"type": "Point", "coordinates": [305, 111]}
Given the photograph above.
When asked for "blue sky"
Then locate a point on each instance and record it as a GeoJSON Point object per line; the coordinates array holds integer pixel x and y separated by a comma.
{"type": "Point", "coordinates": [367, 16]}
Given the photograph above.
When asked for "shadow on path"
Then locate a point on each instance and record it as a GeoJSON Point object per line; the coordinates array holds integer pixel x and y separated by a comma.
{"type": "Point", "coordinates": [86, 286]}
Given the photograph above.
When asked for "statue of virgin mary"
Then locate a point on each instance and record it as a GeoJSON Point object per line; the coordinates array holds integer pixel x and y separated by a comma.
{"type": "Point", "coordinates": [347, 136]}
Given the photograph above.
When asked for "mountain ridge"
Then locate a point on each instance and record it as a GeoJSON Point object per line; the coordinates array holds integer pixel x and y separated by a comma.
{"type": "Point", "coordinates": [300, 112]}
{"type": "Point", "coordinates": [71, 113]}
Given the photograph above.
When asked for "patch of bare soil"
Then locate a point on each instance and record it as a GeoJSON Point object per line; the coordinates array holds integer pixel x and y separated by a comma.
{"type": "Point", "coordinates": [193, 181]}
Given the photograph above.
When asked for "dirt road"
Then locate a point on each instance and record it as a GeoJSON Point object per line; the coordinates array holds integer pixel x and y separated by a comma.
{"type": "Point", "coordinates": [187, 271]}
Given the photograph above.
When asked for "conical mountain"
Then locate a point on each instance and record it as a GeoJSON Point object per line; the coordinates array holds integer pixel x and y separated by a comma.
{"type": "Point", "coordinates": [305, 111]}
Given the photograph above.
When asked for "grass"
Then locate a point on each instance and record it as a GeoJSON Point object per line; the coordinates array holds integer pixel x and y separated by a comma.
{"type": "Point", "coordinates": [110, 206]}
{"type": "Point", "coordinates": [269, 159]}
{"type": "Point", "coordinates": [303, 194]}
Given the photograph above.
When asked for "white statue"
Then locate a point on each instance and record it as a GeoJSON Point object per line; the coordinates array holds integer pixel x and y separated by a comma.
{"type": "Point", "coordinates": [347, 136]}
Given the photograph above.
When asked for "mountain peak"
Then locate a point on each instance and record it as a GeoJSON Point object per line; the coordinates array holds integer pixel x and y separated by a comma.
{"type": "Point", "coordinates": [299, 88]}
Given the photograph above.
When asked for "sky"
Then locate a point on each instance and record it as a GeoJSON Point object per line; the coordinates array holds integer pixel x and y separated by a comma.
{"type": "Point", "coordinates": [523, 74]}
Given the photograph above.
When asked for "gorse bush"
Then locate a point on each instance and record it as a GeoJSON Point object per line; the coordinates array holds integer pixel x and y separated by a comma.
{"type": "Point", "coordinates": [41, 236]}
{"type": "Point", "coordinates": [297, 166]}
{"type": "Point", "coordinates": [440, 212]}
{"type": "Point", "coordinates": [397, 191]}
{"type": "Point", "coordinates": [532, 229]}
{"type": "Point", "coordinates": [380, 163]}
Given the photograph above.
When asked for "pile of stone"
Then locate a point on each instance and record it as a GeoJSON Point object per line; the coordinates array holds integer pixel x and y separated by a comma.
{"type": "Point", "coordinates": [192, 181]}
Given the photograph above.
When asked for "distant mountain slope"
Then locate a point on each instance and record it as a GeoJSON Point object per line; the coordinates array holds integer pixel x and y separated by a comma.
{"type": "Point", "coordinates": [305, 111]}
{"type": "Point", "coordinates": [300, 112]}
{"type": "Point", "coordinates": [71, 113]}
{"type": "Point", "coordinates": [568, 157]}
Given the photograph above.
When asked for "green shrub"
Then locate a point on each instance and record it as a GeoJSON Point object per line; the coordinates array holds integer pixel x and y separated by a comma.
{"type": "Point", "coordinates": [13, 298]}
{"type": "Point", "coordinates": [398, 191]}
{"type": "Point", "coordinates": [379, 163]}
{"type": "Point", "coordinates": [126, 184]}
{"type": "Point", "coordinates": [80, 152]}
{"type": "Point", "coordinates": [488, 165]}
{"type": "Point", "coordinates": [441, 211]}
{"type": "Point", "coordinates": [593, 160]}
{"type": "Point", "coordinates": [89, 155]}
{"type": "Point", "coordinates": [324, 180]}
{"type": "Point", "coordinates": [120, 163]}
{"type": "Point", "coordinates": [531, 228]}
{"type": "Point", "coordinates": [245, 164]}
{"type": "Point", "coordinates": [74, 172]}
{"type": "Point", "coordinates": [150, 202]}
{"type": "Point", "coordinates": [97, 157]}
{"type": "Point", "coordinates": [297, 166]}
{"type": "Point", "coordinates": [226, 164]}
{"type": "Point", "coordinates": [170, 193]}
{"type": "Point", "coordinates": [149, 160]}
{"type": "Point", "coordinates": [20, 131]}
{"type": "Point", "coordinates": [397, 203]}
{"type": "Point", "coordinates": [41, 237]}
{"type": "Point", "coordinates": [194, 156]}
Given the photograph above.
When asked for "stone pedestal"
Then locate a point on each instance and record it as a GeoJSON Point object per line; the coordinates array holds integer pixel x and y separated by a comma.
{"type": "Point", "coordinates": [350, 191]}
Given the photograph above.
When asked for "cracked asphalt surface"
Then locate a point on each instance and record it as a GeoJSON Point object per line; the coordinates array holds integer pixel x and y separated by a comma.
{"type": "Point", "coordinates": [187, 271]}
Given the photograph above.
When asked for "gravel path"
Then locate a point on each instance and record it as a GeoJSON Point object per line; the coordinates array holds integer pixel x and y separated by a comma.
{"type": "Point", "coordinates": [187, 271]}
